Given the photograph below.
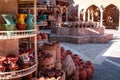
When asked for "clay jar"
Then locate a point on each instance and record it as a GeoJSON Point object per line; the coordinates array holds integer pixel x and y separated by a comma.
{"type": "Point", "coordinates": [44, 36]}
{"type": "Point", "coordinates": [48, 63]}
{"type": "Point", "coordinates": [21, 26]}
{"type": "Point", "coordinates": [88, 71]}
{"type": "Point", "coordinates": [2, 68]}
{"type": "Point", "coordinates": [21, 18]}
{"type": "Point", "coordinates": [77, 73]}
{"type": "Point", "coordinates": [49, 48]}
{"type": "Point", "coordinates": [29, 21]}
{"type": "Point", "coordinates": [88, 63]}
{"type": "Point", "coordinates": [82, 74]}
{"type": "Point", "coordinates": [39, 37]}
{"type": "Point", "coordinates": [58, 50]}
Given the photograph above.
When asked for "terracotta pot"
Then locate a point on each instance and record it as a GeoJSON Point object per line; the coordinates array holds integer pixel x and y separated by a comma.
{"type": "Point", "coordinates": [51, 74]}
{"type": "Point", "coordinates": [13, 60]}
{"type": "Point", "coordinates": [88, 71]}
{"type": "Point", "coordinates": [21, 26]}
{"type": "Point", "coordinates": [13, 67]}
{"type": "Point", "coordinates": [25, 65]}
{"type": "Point", "coordinates": [2, 68]}
{"type": "Point", "coordinates": [77, 73]}
{"type": "Point", "coordinates": [58, 50]}
{"type": "Point", "coordinates": [90, 65]}
{"type": "Point", "coordinates": [2, 58]}
{"type": "Point", "coordinates": [58, 73]}
{"type": "Point", "coordinates": [44, 36]}
{"type": "Point", "coordinates": [39, 37]}
{"type": "Point", "coordinates": [82, 74]}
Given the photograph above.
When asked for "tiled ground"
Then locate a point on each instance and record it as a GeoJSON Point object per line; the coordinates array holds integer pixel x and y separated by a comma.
{"type": "Point", "coordinates": [106, 57]}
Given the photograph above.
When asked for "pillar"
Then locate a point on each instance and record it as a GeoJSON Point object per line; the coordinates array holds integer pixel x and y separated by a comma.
{"type": "Point", "coordinates": [92, 17]}
{"type": "Point", "coordinates": [101, 17]}
{"type": "Point", "coordinates": [78, 12]}
{"type": "Point", "coordinates": [88, 15]}
{"type": "Point", "coordinates": [84, 15]}
{"type": "Point", "coordinates": [67, 16]}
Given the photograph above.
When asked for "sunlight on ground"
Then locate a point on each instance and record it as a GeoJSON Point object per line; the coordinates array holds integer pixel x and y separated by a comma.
{"type": "Point", "coordinates": [112, 51]}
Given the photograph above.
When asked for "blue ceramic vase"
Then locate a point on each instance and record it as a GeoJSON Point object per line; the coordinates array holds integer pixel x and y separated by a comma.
{"type": "Point", "coordinates": [10, 24]}
{"type": "Point", "coordinates": [29, 21]}
{"type": "Point", "coordinates": [8, 18]}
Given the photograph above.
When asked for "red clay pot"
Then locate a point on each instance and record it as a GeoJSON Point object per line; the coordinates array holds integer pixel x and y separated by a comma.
{"type": "Point", "coordinates": [21, 26]}
{"type": "Point", "coordinates": [88, 71]}
{"type": "Point", "coordinates": [82, 74]}
{"type": "Point", "coordinates": [90, 65]}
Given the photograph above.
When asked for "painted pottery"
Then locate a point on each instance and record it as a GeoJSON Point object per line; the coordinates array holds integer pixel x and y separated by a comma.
{"type": "Point", "coordinates": [8, 18]}
{"type": "Point", "coordinates": [29, 21]}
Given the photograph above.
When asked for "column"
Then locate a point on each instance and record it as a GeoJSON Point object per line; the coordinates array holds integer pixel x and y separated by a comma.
{"type": "Point", "coordinates": [78, 12]}
{"type": "Point", "coordinates": [88, 15]}
{"type": "Point", "coordinates": [92, 17]}
{"type": "Point", "coordinates": [101, 17]}
{"type": "Point", "coordinates": [84, 15]}
{"type": "Point", "coordinates": [119, 22]}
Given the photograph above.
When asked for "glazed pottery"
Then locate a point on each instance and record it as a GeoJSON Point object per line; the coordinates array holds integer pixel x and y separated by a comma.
{"type": "Point", "coordinates": [44, 16]}
{"type": "Point", "coordinates": [21, 18]}
{"type": "Point", "coordinates": [29, 21]}
{"type": "Point", "coordinates": [8, 18]}
{"type": "Point", "coordinates": [21, 26]}
{"type": "Point", "coordinates": [9, 27]}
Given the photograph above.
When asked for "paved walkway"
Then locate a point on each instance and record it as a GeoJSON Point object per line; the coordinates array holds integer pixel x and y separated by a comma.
{"type": "Point", "coordinates": [105, 57]}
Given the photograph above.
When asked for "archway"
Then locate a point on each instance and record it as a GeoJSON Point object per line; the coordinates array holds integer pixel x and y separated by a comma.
{"type": "Point", "coordinates": [111, 17]}
{"type": "Point", "coordinates": [93, 13]}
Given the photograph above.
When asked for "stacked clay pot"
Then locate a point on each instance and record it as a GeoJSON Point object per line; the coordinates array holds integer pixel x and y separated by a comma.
{"type": "Point", "coordinates": [49, 61]}
{"type": "Point", "coordinates": [42, 36]}
{"type": "Point", "coordinates": [84, 70]}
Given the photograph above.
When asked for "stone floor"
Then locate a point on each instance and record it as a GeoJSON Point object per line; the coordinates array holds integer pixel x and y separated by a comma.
{"type": "Point", "coordinates": [105, 56]}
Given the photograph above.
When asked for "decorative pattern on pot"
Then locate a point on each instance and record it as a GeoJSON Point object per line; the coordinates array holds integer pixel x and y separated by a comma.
{"type": "Point", "coordinates": [21, 25]}
{"type": "Point", "coordinates": [9, 19]}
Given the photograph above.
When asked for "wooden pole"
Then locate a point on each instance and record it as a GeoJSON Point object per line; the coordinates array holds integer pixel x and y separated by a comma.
{"type": "Point", "coordinates": [35, 26]}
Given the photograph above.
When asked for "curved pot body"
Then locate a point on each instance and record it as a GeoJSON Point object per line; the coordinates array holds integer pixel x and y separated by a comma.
{"type": "Point", "coordinates": [29, 21]}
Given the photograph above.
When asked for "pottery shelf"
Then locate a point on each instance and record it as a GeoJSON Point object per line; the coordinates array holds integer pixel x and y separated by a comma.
{"type": "Point", "coordinates": [18, 73]}
{"type": "Point", "coordinates": [17, 34]}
